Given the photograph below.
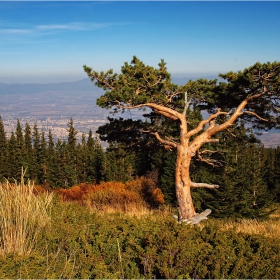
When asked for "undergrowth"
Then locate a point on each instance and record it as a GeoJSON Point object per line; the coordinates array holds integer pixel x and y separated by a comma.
{"type": "Point", "coordinates": [87, 243]}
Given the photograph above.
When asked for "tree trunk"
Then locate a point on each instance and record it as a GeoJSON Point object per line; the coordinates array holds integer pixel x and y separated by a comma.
{"type": "Point", "coordinates": [183, 183]}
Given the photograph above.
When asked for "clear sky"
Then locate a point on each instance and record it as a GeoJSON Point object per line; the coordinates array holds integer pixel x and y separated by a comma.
{"type": "Point", "coordinates": [51, 41]}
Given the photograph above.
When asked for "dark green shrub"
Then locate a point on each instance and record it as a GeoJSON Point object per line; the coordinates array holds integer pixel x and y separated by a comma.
{"type": "Point", "coordinates": [79, 244]}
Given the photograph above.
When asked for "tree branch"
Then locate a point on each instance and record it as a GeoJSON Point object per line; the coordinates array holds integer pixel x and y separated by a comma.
{"type": "Point", "coordinates": [254, 114]}
{"type": "Point", "coordinates": [257, 95]}
{"type": "Point", "coordinates": [209, 161]}
{"type": "Point", "coordinates": [204, 185]}
{"type": "Point", "coordinates": [186, 104]}
{"type": "Point", "coordinates": [170, 96]}
{"type": "Point", "coordinates": [159, 109]}
{"type": "Point", "coordinates": [165, 142]}
{"type": "Point", "coordinates": [204, 122]}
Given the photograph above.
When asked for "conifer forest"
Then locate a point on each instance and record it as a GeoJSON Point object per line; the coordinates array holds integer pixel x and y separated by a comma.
{"type": "Point", "coordinates": [249, 173]}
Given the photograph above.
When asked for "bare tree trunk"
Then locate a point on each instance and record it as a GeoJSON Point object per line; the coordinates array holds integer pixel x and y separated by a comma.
{"type": "Point", "coordinates": [183, 184]}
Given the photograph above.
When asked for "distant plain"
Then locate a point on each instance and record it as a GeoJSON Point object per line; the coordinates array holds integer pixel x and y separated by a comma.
{"type": "Point", "coordinates": [52, 105]}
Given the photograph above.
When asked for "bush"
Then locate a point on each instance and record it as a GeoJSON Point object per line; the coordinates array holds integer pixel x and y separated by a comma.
{"type": "Point", "coordinates": [141, 192]}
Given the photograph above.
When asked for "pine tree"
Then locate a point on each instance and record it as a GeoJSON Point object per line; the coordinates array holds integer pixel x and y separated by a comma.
{"type": "Point", "coordinates": [43, 160]}
{"type": "Point", "coordinates": [71, 156]}
{"type": "Point", "coordinates": [81, 151]}
{"type": "Point", "coordinates": [13, 164]}
{"type": "Point", "coordinates": [20, 145]}
{"type": "Point", "coordinates": [61, 180]}
{"type": "Point", "coordinates": [72, 136]}
{"type": "Point", "coordinates": [276, 183]}
{"type": "Point", "coordinates": [117, 163]}
{"type": "Point", "coordinates": [95, 160]}
{"type": "Point", "coordinates": [167, 177]}
{"type": "Point", "coordinates": [3, 150]}
{"type": "Point", "coordinates": [51, 160]}
{"type": "Point", "coordinates": [36, 152]}
{"type": "Point", "coordinates": [28, 152]}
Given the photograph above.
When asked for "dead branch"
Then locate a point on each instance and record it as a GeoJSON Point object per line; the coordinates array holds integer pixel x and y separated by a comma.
{"type": "Point", "coordinates": [212, 162]}
{"type": "Point", "coordinates": [187, 103]}
{"type": "Point", "coordinates": [204, 185]}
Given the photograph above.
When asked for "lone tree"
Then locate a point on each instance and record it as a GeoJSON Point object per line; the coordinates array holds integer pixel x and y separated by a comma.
{"type": "Point", "coordinates": [251, 95]}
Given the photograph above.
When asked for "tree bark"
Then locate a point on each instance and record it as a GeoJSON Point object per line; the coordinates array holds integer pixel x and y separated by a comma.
{"type": "Point", "coordinates": [183, 183]}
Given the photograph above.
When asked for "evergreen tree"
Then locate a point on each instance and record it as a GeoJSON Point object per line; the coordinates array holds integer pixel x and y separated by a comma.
{"type": "Point", "coordinates": [118, 164]}
{"type": "Point", "coordinates": [3, 150]}
{"type": "Point", "coordinates": [276, 184]}
{"type": "Point", "coordinates": [36, 152]}
{"type": "Point", "coordinates": [71, 156]}
{"type": "Point", "coordinates": [244, 191]}
{"type": "Point", "coordinates": [28, 152]}
{"type": "Point", "coordinates": [72, 136]}
{"type": "Point", "coordinates": [61, 180]}
{"type": "Point", "coordinates": [251, 95]}
{"type": "Point", "coordinates": [43, 160]}
{"type": "Point", "coordinates": [81, 151]}
{"type": "Point", "coordinates": [51, 160]}
{"type": "Point", "coordinates": [20, 145]}
{"type": "Point", "coordinates": [13, 164]}
{"type": "Point", "coordinates": [167, 177]}
{"type": "Point", "coordinates": [95, 160]}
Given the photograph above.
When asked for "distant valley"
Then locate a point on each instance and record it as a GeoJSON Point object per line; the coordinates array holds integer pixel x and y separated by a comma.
{"type": "Point", "coordinates": [52, 105]}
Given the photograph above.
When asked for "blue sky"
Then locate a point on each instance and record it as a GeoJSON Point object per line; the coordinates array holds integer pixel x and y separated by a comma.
{"type": "Point", "coordinates": [51, 41]}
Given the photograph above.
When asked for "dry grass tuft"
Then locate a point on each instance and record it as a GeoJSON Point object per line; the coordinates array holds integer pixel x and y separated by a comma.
{"type": "Point", "coordinates": [135, 210]}
{"type": "Point", "coordinates": [267, 228]}
{"type": "Point", "coordinates": [23, 214]}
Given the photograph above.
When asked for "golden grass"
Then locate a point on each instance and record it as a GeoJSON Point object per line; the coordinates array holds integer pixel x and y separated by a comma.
{"type": "Point", "coordinates": [22, 216]}
{"type": "Point", "coordinates": [138, 210]}
{"type": "Point", "coordinates": [268, 228]}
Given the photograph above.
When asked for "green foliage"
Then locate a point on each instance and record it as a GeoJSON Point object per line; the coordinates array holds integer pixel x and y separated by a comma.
{"type": "Point", "coordinates": [244, 190]}
{"type": "Point", "coordinates": [81, 245]}
{"type": "Point", "coordinates": [3, 149]}
{"type": "Point", "coordinates": [137, 84]}
{"type": "Point", "coordinates": [60, 164]}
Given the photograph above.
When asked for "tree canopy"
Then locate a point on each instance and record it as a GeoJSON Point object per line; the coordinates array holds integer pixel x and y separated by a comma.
{"type": "Point", "coordinates": [251, 95]}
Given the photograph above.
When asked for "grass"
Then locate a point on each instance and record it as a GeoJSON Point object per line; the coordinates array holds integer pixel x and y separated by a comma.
{"type": "Point", "coordinates": [137, 210]}
{"type": "Point", "coordinates": [23, 214]}
{"type": "Point", "coordinates": [267, 228]}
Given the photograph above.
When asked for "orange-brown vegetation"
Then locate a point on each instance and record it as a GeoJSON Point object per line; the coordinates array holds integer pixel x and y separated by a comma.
{"type": "Point", "coordinates": [117, 195]}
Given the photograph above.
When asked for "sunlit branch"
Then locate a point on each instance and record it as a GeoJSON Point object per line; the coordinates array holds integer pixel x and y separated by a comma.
{"type": "Point", "coordinates": [254, 114]}
{"type": "Point", "coordinates": [187, 103]}
{"type": "Point", "coordinates": [204, 122]}
{"type": "Point", "coordinates": [209, 161]}
{"type": "Point", "coordinates": [204, 185]}
{"type": "Point", "coordinates": [165, 142]}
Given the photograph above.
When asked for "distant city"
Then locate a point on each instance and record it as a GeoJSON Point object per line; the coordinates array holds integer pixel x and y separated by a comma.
{"type": "Point", "coordinates": [57, 125]}
{"type": "Point", "coordinates": [51, 106]}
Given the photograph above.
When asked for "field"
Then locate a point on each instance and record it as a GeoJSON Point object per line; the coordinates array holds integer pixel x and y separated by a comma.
{"type": "Point", "coordinates": [70, 240]}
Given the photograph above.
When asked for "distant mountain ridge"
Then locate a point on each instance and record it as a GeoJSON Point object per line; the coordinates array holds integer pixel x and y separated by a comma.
{"type": "Point", "coordinates": [80, 86]}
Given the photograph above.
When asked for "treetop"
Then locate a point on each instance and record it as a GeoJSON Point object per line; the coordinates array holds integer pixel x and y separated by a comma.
{"type": "Point", "coordinates": [139, 86]}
